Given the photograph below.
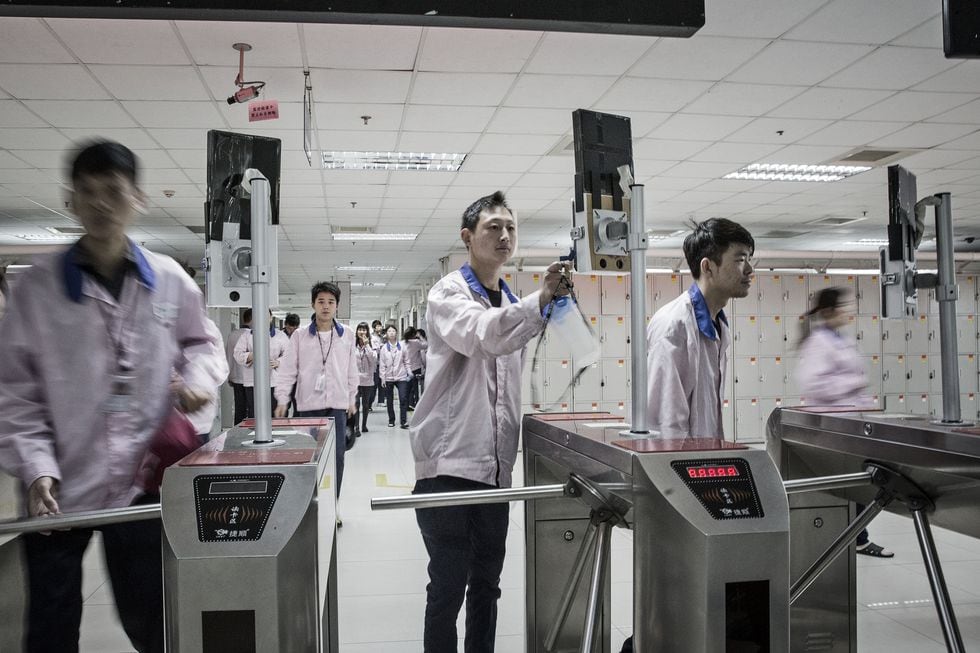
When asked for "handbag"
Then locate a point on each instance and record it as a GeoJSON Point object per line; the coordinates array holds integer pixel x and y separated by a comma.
{"type": "Point", "coordinates": [174, 439]}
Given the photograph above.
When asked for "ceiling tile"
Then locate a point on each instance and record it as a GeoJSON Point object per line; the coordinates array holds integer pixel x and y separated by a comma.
{"type": "Point", "coordinates": [336, 140]}
{"type": "Point", "coordinates": [151, 82]}
{"type": "Point", "coordinates": [210, 43]}
{"type": "Point", "coordinates": [511, 120]}
{"type": "Point", "coordinates": [699, 170]}
{"type": "Point", "coordinates": [134, 139]}
{"type": "Point", "coordinates": [742, 99]}
{"type": "Point", "coordinates": [175, 114]}
{"type": "Point", "coordinates": [190, 159]}
{"type": "Point", "coordinates": [927, 35]}
{"type": "Point", "coordinates": [931, 159]}
{"type": "Point", "coordinates": [181, 139]}
{"type": "Point", "coordinates": [912, 106]}
{"type": "Point", "coordinates": [868, 21]}
{"type": "Point", "coordinates": [485, 90]}
{"type": "Point", "coordinates": [697, 127]}
{"type": "Point", "coordinates": [832, 103]}
{"type": "Point", "coordinates": [700, 57]}
{"type": "Point", "coordinates": [476, 50]}
{"type": "Point", "coordinates": [498, 163]}
{"type": "Point", "coordinates": [40, 158]}
{"type": "Point", "coordinates": [660, 149]}
{"type": "Point", "coordinates": [122, 41]}
{"type": "Point", "coordinates": [290, 117]}
{"type": "Point", "coordinates": [28, 40]}
{"type": "Point", "coordinates": [967, 114]}
{"type": "Point", "coordinates": [735, 153]}
{"type": "Point", "coordinates": [852, 132]}
{"type": "Point", "coordinates": [14, 114]}
{"type": "Point", "coordinates": [558, 91]}
{"type": "Point", "coordinates": [807, 154]}
{"type": "Point", "coordinates": [753, 18]}
{"type": "Point", "coordinates": [445, 118]}
{"type": "Point", "coordinates": [382, 86]}
{"type": "Point", "coordinates": [651, 94]}
{"type": "Point", "coordinates": [355, 177]}
{"type": "Point", "coordinates": [963, 77]}
{"type": "Point", "coordinates": [801, 63]}
{"type": "Point", "coordinates": [587, 54]}
{"type": "Point", "coordinates": [81, 113]}
{"type": "Point", "coordinates": [542, 181]}
{"type": "Point", "coordinates": [891, 67]}
{"type": "Point", "coordinates": [924, 135]}
{"type": "Point", "coordinates": [283, 84]}
{"type": "Point", "coordinates": [437, 142]}
{"type": "Point", "coordinates": [361, 47]}
{"type": "Point", "coordinates": [49, 82]}
{"type": "Point", "coordinates": [782, 131]}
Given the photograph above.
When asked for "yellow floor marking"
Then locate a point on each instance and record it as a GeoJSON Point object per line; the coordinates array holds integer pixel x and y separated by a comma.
{"type": "Point", "coordinates": [381, 480]}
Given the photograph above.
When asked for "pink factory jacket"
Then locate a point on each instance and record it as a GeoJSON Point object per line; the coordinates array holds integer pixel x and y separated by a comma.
{"type": "Point", "coordinates": [367, 362]}
{"type": "Point", "coordinates": [686, 361]}
{"type": "Point", "coordinates": [303, 364]}
{"type": "Point", "coordinates": [393, 362]}
{"type": "Point", "coordinates": [830, 371]}
{"type": "Point", "coordinates": [278, 342]}
{"type": "Point", "coordinates": [58, 344]}
{"type": "Point", "coordinates": [468, 420]}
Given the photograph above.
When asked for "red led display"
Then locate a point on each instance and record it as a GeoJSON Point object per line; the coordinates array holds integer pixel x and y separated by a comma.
{"type": "Point", "coordinates": [712, 471]}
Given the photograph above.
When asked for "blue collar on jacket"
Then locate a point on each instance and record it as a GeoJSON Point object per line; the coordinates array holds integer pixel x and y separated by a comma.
{"type": "Point", "coordinates": [73, 273]}
{"type": "Point", "coordinates": [705, 324]}
{"type": "Point", "coordinates": [478, 288]}
{"type": "Point", "coordinates": [398, 345]}
{"type": "Point", "coordinates": [336, 325]}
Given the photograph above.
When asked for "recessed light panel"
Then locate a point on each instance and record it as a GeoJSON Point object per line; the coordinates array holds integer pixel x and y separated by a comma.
{"type": "Point", "coordinates": [421, 161]}
{"type": "Point", "coordinates": [795, 172]}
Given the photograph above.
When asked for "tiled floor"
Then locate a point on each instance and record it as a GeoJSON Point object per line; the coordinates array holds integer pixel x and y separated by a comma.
{"type": "Point", "coordinates": [382, 573]}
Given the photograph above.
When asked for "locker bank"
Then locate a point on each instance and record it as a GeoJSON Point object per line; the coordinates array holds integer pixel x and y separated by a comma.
{"type": "Point", "coordinates": [384, 124]}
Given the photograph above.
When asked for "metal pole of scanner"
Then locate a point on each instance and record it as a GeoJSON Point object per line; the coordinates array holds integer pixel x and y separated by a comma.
{"type": "Point", "coordinates": [259, 275]}
{"type": "Point", "coordinates": [947, 293]}
{"type": "Point", "coordinates": [937, 582]}
{"type": "Point", "coordinates": [637, 246]}
{"type": "Point", "coordinates": [86, 519]}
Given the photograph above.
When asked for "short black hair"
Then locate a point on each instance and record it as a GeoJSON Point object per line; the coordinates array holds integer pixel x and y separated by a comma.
{"type": "Point", "coordinates": [247, 316]}
{"type": "Point", "coordinates": [711, 239]}
{"type": "Point", "coordinates": [471, 216]}
{"type": "Point", "coordinates": [324, 286]}
{"type": "Point", "coordinates": [362, 324]}
{"type": "Point", "coordinates": [410, 333]}
{"type": "Point", "coordinates": [377, 323]}
{"type": "Point", "coordinates": [292, 319]}
{"type": "Point", "coordinates": [103, 157]}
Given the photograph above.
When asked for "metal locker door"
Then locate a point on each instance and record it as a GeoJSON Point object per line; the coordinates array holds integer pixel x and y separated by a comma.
{"type": "Point", "coordinates": [918, 335]}
{"type": "Point", "coordinates": [918, 404]}
{"type": "Point", "coordinates": [527, 283]}
{"type": "Point", "coordinates": [557, 377]}
{"type": "Point", "coordinates": [748, 420]}
{"type": "Point", "coordinates": [893, 374]}
{"type": "Point", "coordinates": [510, 278]}
{"type": "Point", "coordinates": [728, 418]}
{"type": "Point", "coordinates": [614, 336]}
{"type": "Point", "coordinates": [967, 301]}
{"type": "Point", "coordinates": [968, 373]}
{"type": "Point", "coordinates": [614, 293]}
{"type": "Point", "coordinates": [869, 295]}
{"type": "Point", "coordinates": [869, 334]}
{"type": "Point", "coordinates": [587, 289]}
{"type": "Point", "coordinates": [968, 407]}
{"type": "Point", "coordinates": [772, 376]}
{"type": "Point", "coordinates": [615, 379]}
{"type": "Point", "coordinates": [770, 294]}
{"type": "Point", "coordinates": [746, 377]}
{"type": "Point", "coordinates": [556, 346]}
{"type": "Point", "coordinates": [791, 363]}
{"type": "Point", "coordinates": [665, 289]}
{"type": "Point", "coordinates": [745, 335]}
{"type": "Point", "coordinates": [966, 334]}
{"type": "Point", "coordinates": [849, 330]}
{"type": "Point", "coordinates": [620, 408]}
{"type": "Point", "coordinates": [817, 283]}
{"type": "Point", "coordinates": [749, 305]}
{"type": "Point", "coordinates": [896, 404]}
{"type": "Point", "coordinates": [588, 388]}
{"type": "Point", "coordinates": [918, 374]}
{"type": "Point", "coordinates": [686, 281]}
{"type": "Point", "coordinates": [893, 336]}
{"type": "Point", "coordinates": [794, 294]}
{"type": "Point", "coordinates": [772, 336]}
{"type": "Point", "coordinates": [872, 365]}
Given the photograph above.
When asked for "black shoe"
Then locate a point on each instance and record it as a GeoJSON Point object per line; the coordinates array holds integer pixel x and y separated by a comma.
{"type": "Point", "coordinates": [875, 551]}
{"type": "Point", "coordinates": [364, 429]}
{"type": "Point", "coordinates": [370, 410]}
{"type": "Point", "coordinates": [391, 424]}
{"type": "Point", "coordinates": [411, 408]}
{"type": "Point", "coordinates": [405, 425]}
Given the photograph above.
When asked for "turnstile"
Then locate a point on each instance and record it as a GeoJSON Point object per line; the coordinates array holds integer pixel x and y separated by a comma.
{"type": "Point", "coordinates": [249, 548]}
{"type": "Point", "coordinates": [711, 538]}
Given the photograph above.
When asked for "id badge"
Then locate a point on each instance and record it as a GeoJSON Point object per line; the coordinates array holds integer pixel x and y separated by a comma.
{"type": "Point", "coordinates": [321, 381]}
{"type": "Point", "coordinates": [120, 399]}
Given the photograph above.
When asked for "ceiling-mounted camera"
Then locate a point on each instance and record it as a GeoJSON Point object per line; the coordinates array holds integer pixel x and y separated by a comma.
{"type": "Point", "coordinates": [244, 94]}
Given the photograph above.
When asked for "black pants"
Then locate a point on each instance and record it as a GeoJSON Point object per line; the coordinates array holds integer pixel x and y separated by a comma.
{"type": "Point", "coordinates": [378, 390]}
{"type": "Point", "coordinates": [402, 400]}
{"type": "Point", "coordinates": [416, 387]}
{"type": "Point", "coordinates": [54, 572]}
{"type": "Point", "coordinates": [339, 416]}
{"type": "Point", "coordinates": [363, 402]}
{"type": "Point", "coordinates": [250, 400]}
{"type": "Point", "coordinates": [466, 546]}
{"type": "Point", "coordinates": [241, 402]}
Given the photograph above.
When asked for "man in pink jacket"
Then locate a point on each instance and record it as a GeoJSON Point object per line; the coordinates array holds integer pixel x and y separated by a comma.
{"type": "Point", "coordinates": [321, 361]}
{"type": "Point", "coordinates": [88, 346]}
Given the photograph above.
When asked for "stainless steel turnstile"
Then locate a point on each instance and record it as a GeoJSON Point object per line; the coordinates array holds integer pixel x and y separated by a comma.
{"type": "Point", "coordinates": [711, 538]}
{"type": "Point", "coordinates": [931, 473]}
{"type": "Point", "coordinates": [249, 547]}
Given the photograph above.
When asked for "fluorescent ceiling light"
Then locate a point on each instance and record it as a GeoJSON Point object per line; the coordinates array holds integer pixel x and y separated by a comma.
{"type": "Point", "coordinates": [432, 161]}
{"type": "Point", "coordinates": [795, 172]}
{"type": "Point", "coordinates": [363, 235]}
{"type": "Point", "coordinates": [55, 238]}
{"type": "Point", "coordinates": [867, 242]}
{"type": "Point", "coordinates": [367, 268]}
{"type": "Point", "coordinates": [367, 284]}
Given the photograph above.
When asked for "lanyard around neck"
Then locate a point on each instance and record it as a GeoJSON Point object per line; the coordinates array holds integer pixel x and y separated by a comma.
{"type": "Point", "coordinates": [319, 341]}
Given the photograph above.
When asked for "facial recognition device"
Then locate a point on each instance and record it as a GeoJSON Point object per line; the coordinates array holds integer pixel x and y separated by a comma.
{"type": "Point", "coordinates": [228, 221]}
{"type": "Point", "coordinates": [897, 260]}
{"type": "Point", "coordinates": [601, 217]}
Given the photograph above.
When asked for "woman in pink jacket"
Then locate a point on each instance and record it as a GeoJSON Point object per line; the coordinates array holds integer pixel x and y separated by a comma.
{"type": "Point", "coordinates": [830, 371]}
{"type": "Point", "coordinates": [395, 373]}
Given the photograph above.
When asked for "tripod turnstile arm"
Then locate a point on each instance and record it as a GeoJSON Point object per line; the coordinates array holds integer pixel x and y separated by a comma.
{"type": "Point", "coordinates": [835, 482]}
{"type": "Point", "coordinates": [87, 519]}
{"type": "Point", "coordinates": [469, 498]}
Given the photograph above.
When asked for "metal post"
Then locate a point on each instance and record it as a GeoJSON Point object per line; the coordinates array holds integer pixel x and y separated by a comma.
{"type": "Point", "coordinates": [259, 275]}
{"type": "Point", "coordinates": [637, 246]}
{"type": "Point", "coordinates": [940, 594]}
{"type": "Point", "coordinates": [821, 483]}
{"type": "Point", "coordinates": [946, 293]}
{"type": "Point", "coordinates": [842, 542]}
{"type": "Point", "coordinates": [594, 606]}
{"type": "Point", "coordinates": [565, 605]}
{"type": "Point", "coordinates": [469, 498]}
{"type": "Point", "coordinates": [87, 519]}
